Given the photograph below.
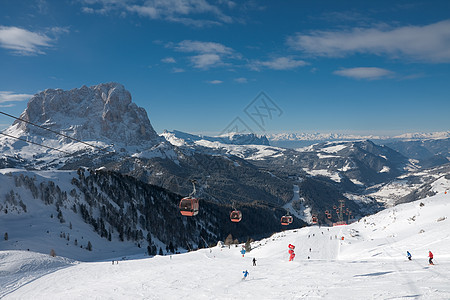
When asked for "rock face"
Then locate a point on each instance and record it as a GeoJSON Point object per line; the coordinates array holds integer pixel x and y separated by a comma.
{"type": "Point", "coordinates": [103, 111]}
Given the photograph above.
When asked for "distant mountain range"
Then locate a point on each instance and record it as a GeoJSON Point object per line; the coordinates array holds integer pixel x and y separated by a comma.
{"type": "Point", "coordinates": [297, 140]}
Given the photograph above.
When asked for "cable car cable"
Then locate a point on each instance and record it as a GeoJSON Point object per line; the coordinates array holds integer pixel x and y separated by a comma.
{"type": "Point", "coordinates": [55, 132]}
{"type": "Point", "coordinates": [268, 204]}
{"type": "Point", "coordinates": [24, 140]}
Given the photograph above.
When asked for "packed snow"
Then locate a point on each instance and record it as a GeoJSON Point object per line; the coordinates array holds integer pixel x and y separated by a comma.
{"type": "Point", "coordinates": [364, 260]}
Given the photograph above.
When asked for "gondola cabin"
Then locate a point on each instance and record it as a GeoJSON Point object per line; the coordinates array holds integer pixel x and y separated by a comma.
{"type": "Point", "coordinates": [189, 206]}
{"type": "Point", "coordinates": [236, 216]}
{"type": "Point", "coordinates": [286, 220]}
{"type": "Point", "coordinates": [314, 219]}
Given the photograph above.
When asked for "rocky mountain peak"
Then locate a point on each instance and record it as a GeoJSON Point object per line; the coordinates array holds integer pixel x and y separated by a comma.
{"type": "Point", "coordinates": [101, 112]}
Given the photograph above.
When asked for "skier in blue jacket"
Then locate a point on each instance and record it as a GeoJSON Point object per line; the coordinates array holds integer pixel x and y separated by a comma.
{"type": "Point", "coordinates": [245, 274]}
{"type": "Point", "coordinates": [408, 255]}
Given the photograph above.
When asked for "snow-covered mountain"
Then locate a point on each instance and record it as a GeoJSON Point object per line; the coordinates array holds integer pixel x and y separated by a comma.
{"type": "Point", "coordinates": [413, 186]}
{"type": "Point", "coordinates": [102, 112]}
{"type": "Point", "coordinates": [361, 162]}
{"type": "Point", "coordinates": [245, 146]}
{"type": "Point", "coordinates": [364, 260]}
{"type": "Point", "coordinates": [97, 117]}
{"type": "Point", "coordinates": [178, 138]}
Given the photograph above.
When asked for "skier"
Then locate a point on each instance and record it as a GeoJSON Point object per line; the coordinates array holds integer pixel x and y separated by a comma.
{"type": "Point", "coordinates": [430, 255]}
{"type": "Point", "coordinates": [245, 274]}
{"type": "Point", "coordinates": [254, 261]}
{"type": "Point", "coordinates": [408, 255]}
{"type": "Point", "coordinates": [243, 252]}
{"type": "Point", "coordinates": [292, 256]}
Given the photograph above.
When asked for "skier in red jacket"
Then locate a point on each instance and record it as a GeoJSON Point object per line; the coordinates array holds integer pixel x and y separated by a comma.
{"type": "Point", "coordinates": [430, 255]}
{"type": "Point", "coordinates": [291, 257]}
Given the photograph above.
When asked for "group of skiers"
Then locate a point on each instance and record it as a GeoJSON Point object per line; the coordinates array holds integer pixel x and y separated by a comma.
{"type": "Point", "coordinates": [292, 255]}
{"type": "Point", "coordinates": [430, 257]}
{"type": "Point", "coordinates": [246, 272]}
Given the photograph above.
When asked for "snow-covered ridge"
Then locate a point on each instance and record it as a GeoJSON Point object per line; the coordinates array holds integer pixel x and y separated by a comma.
{"type": "Point", "coordinates": [248, 146]}
{"type": "Point", "coordinates": [179, 138]}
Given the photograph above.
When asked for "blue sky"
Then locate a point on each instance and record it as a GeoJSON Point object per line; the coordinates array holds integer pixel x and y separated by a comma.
{"type": "Point", "coordinates": [368, 67]}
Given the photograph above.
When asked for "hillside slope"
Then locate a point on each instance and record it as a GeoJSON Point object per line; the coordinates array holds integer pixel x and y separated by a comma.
{"type": "Point", "coordinates": [368, 263]}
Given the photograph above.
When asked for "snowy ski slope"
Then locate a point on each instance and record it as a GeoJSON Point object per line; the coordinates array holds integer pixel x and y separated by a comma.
{"type": "Point", "coordinates": [369, 263]}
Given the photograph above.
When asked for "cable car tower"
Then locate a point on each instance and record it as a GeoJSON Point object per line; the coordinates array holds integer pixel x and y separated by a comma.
{"type": "Point", "coordinates": [340, 212]}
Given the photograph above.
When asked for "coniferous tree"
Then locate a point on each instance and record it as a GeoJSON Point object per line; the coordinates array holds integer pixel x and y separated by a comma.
{"type": "Point", "coordinates": [89, 246]}
{"type": "Point", "coordinates": [52, 253]}
{"type": "Point", "coordinates": [6, 236]}
{"type": "Point", "coordinates": [248, 246]}
{"type": "Point", "coordinates": [229, 240]}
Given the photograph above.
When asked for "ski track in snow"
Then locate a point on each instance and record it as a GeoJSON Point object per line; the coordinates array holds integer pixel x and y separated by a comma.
{"type": "Point", "coordinates": [369, 263]}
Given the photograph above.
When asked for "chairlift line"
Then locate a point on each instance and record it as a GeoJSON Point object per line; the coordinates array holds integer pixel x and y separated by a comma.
{"type": "Point", "coordinates": [24, 140]}
{"type": "Point", "coordinates": [55, 132]}
{"type": "Point", "coordinates": [189, 206]}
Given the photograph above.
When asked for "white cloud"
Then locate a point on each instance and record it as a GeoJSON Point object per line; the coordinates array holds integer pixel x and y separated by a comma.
{"type": "Point", "coordinates": [178, 70]}
{"type": "Point", "coordinates": [23, 42]}
{"type": "Point", "coordinates": [279, 63]}
{"type": "Point", "coordinates": [369, 73]}
{"type": "Point", "coordinates": [87, 10]}
{"type": "Point", "coordinates": [209, 54]}
{"type": "Point", "coordinates": [215, 81]}
{"type": "Point", "coordinates": [6, 96]}
{"type": "Point", "coordinates": [169, 60]}
{"type": "Point", "coordinates": [205, 61]}
{"type": "Point", "coordinates": [179, 11]}
{"type": "Point", "coordinates": [202, 47]}
{"type": "Point", "coordinates": [429, 43]}
{"type": "Point", "coordinates": [241, 80]}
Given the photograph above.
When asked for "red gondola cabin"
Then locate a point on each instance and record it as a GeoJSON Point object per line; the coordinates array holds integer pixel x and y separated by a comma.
{"type": "Point", "coordinates": [189, 206]}
{"type": "Point", "coordinates": [286, 220]}
{"type": "Point", "coordinates": [236, 216]}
